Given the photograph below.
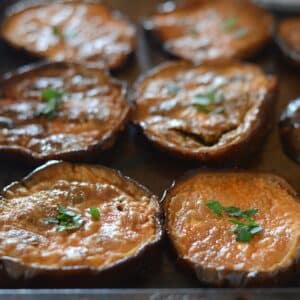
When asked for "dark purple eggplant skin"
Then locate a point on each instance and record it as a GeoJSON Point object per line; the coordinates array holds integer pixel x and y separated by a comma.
{"type": "Point", "coordinates": [120, 273]}
{"type": "Point", "coordinates": [289, 130]}
{"type": "Point", "coordinates": [93, 152]}
{"type": "Point", "coordinates": [11, 7]}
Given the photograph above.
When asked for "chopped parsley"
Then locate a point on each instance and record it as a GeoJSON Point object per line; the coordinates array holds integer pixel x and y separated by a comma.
{"type": "Point", "coordinates": [53, 98]}
{"type": "Point", "coordinates": [95, 213]}
{"type": "Point", "coordinates": [65, 220]}
{"type": "Point", "coordinates": [57, 31]}
{"type": "Point", "coordinates": [173, 89]}
{"type": "Point", "coordinates": [206, 102]}
{"type": "Point", "coordinates": [230, 25]}
{"type": "Point", "coordinates": [215, 206]}
{"type": "Point", "coordinates": [245, 230]}
{"type": "Point", "coordinates": [240, 33]}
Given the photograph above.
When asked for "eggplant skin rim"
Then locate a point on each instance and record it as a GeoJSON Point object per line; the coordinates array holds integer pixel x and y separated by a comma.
{"type": "Point", "coordinates": [237, 152]}
{"type": "Point", "coordinates": [19, 6]}
{"type": "Point", "coordinates": [107, 275]}
{"type": "Point", "coordinates": [231, 278]}
{"type": "Point", "coordinates": [31, 157]}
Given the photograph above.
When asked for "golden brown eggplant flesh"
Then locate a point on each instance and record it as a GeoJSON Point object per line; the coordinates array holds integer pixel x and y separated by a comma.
{"type": "Point", "coordinates": [73, 222]}
{"type": "Point", "coordinates": [213, 113]}
{"type": "Point", "coordinates": [289, 129]}
{"type": "Point", "coordinates": [205, 30]}
{"type": "Point", "coordinates": [206, 243]}
{"type": "Point", "coordinates": [88, 112]}
{"type": "Point", "coordinates": [73, 31]}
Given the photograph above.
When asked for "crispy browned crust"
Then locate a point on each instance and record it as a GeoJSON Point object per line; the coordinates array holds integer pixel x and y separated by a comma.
{"type": "Point", "coordinates": [235, 153]}
{"type": "Point", "coordinates": [231, 278]}
{"type": "Point", "coordinates": [15, 273]}
{"type": "Point", "coordinates": [22, 5]}
{"type": "Point", "coordinates": [88, 154]}
{"type": "Point", "coordinates": [189, 6]}
{"type": "Point", "coordinates": [289, 50]}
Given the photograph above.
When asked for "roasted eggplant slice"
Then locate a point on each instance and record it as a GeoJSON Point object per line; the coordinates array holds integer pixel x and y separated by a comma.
{"type": "Point", "coordinates": [212, 113]}
{"type": "Point", "coordinates": [206, 30]}
{"type": "Point", "coordinates": [60, 111]}
{"type": "Point", "coordinates": [68, 222]}
{"type": "Point", "coordinates": [235, 228]}
{"type": "Point", "coordinates": [289, 38]}
{"type": "Point", "coordinates": [289, 129]}
{"type": "Point", "coordinates": [73, 31]}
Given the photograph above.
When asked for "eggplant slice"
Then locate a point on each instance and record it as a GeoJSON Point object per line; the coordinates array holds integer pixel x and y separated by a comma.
{"type": "Point", "coordinates": [212, 113]}
{"type": "Point", "coordinates": [288, 38]}
{"type": "Point", "coordinates": [73, 31]}
{"type": "Point", "coordinates": [90, 111]}
{"type": "Point", "coordinates": [205, 242]}
{"type": "Point", "coordinates": [205, 30]}
{"type": "Point", "coordinates": [289, 129]}
{"type": "Point", "coordinates": [66, 221]}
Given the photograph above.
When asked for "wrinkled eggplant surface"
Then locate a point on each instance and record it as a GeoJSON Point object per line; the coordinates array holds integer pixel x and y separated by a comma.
{"type": "Point", "coordinates": [206, 30]}
{"type": "Point", "coordinates": [212, 113]}
{"type": "Point", "coordinates": [91, 112]}
{"type": "Point", "coordinates": [37, 242]}
{"type": "Point", "coordinates": [73, 31]}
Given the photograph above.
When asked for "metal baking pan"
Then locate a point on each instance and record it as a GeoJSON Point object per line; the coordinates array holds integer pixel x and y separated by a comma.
{"type": "Point", "coordinates": [134, 156]}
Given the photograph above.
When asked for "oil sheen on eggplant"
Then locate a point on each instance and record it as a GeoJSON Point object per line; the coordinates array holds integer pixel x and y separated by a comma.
{"type": "Point", "coordinates": [74, 31]}
{"type": "Point", "coordinates": [289, 129]}
{"type": "Point", "coordinates": [93, 110]}
{"type": "Point", "coordinates": [206, 243]}
{"type": "Point", "coordinates": [128, 226]}
{"type": "Point", "coordinates": [201, 31]}
{"type": "Point", "coordinates": [227, 129]}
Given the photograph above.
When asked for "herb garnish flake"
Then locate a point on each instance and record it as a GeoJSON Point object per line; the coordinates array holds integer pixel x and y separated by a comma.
{"type": "Point", "coordinates": [95, 213]}
{"type": "Point", "coordinates": [65, 220]}
{"type": "Point", "coordinates": [230, 25]}
{"type": "Point", "coordinates": [206, 102]}
{"type": "Point", "coordinates": [245, 230]}
{"type": "Point", "coordinates": [173, 89]}
{"type": "Point", "coordinates": [53, 98]}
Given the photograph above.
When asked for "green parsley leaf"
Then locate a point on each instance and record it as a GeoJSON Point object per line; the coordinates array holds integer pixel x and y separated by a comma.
{"type": "Point", "coordinates": [193, 31]}
{"type": "Point", "coordinates": [173, 89]}
{"type": "Point", "coordinates": [65, 220]}
{"type": "Point", "coordinates": [214, 206]}
{"type": "Point", "coordinates": [256, 230]}
{"type": "Point", "coordinates": [53, 98]}
{"type": "Point", "coordinates": [229, 23]}
{"type": "Point", "coordinates": [51, 93]}
{"type": "Point", "coordinates": [240, 33]}
{"type": "Point", "coordinates": [250, 212]}
{"type": "Point", "coordinates": [233, 211]}
{"type": "Point", "coordinates": [95, 213]}
{"type": "Point", "coordinates": [57, 31]}
{"type": "Point", "coordinates": [244, 230]}
{"type": "Point", "coordinates": [206, 102]}
{"type": "Point", "coordinates": [243, 234]}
